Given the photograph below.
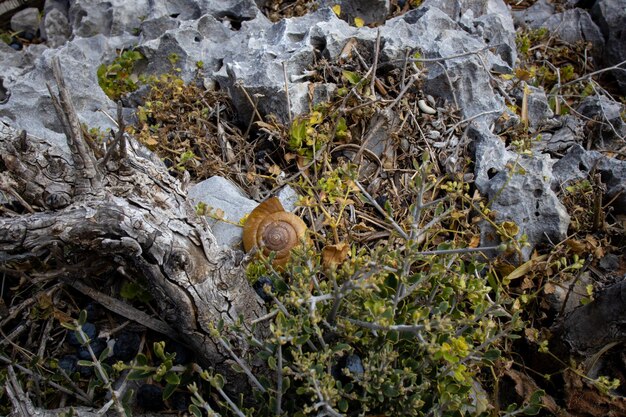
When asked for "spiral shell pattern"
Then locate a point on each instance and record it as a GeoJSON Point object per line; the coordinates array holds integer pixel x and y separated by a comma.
{"type": "Point", "coordinates": [271, 229]}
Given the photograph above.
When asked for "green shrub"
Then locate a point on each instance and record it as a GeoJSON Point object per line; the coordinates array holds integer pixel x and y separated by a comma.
{"type": "Point", "coordinates": [117, 79]}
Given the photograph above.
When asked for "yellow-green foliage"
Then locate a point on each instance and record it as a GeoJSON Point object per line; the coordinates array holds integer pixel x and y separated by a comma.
{"type": "Point", "coordinates": [425, 325]}
{"type": "Point", "coordinates": [117, 79]}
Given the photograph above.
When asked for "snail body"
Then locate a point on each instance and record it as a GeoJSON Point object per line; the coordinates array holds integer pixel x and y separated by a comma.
{"type": "Point", "coordinates": [271, 229]}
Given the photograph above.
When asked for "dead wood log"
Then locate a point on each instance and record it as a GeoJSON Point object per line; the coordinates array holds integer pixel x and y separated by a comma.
{"type": "Point", "coordinates": [79, 213]}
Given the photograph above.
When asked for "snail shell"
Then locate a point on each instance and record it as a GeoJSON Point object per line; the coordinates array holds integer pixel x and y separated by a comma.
{"type": "Point", "coordinates": [270, 228]}
{"type": "Point", "coordinates": [425, 108]}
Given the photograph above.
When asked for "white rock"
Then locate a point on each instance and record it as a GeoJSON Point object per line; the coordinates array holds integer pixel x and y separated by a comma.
{"type": "Point", "coordinates": [222, 194]}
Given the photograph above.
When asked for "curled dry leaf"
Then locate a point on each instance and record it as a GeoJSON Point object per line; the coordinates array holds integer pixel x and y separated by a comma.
{"type": "Point", "coordinates": [334, 255]}
{"type": "Point", "coordinates": [271, 229]}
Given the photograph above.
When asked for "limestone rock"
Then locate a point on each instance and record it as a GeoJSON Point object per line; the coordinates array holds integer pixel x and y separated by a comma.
{"type": "Point", "coordinates": [57, 28]}
{"type": "Point", "coordinates": [569, 133]}
{"type": "Point", "coordinates": [219, 193]}
{"type": "Point", "coordinates": [111, 18]}
{"type": "Point", "coordinates": [519, 189]}
{"type": "Point", "coordinates": [538, 107]}
{"type": "Point", "coordinates": [26, 20]}
{"type": "Point", "coordinates": [25, 77]}
{"type": "Point", "coordinates": [610, 16]}
{"type": "Point", "coordinates": [574, 25]}
{"type": "Point", "coordinates": [535, 15]}
{"type": "Point", "coordinates": [579, 163]}
{"type": "Point", "coordinates": [609, 125]}
{"type": "Point", "coordinates": [370, 11]}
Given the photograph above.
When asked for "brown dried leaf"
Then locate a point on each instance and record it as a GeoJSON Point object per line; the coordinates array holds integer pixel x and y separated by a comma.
{"type": "Point", "coordinates": [525, 386]}
{"type": "Point", "coordinates": [576, 246]}
{"type": "Point", "coordinates": [526, 267]}
{"type": "Point", "coordinates": [274, 170]}
{"type": "Point", "coordinates": [549, 288]}
{"type": "Point", "coordinates": [474, 241]}
{"type": "Point", "coordinates": [527, 283]}
{"type": "Point", "coordinates": [333, 255]}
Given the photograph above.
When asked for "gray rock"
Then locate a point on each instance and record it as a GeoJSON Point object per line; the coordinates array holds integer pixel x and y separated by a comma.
{"type": "Point", "coordinates": [288, 198]}
{"type": "Point", "coordinates": [610, 128]}
{"type": "Point", "coordinates": [253, 56]}
{"type": "Point", "coordinates": [29, 106]}
{"type": "Point", "coordinates": [533, 16]}
{"type": "Point", "coordinates": [538, 108]}
{"type": "Point", "coordinates": [519, 190]}
{"type": "Point", "coordinates": [232, 12]}
{"type": "Point", "coordinates": [570, 132]}
{"type": "Point", "coordinates": [56, 28]}
{"type": "Point", "coordinates": [207, 39]}
{"type": "Point", "coordinates": [568, 295]}
{"type": "Point", "coordinates": [574, 25]}
{"type": "Point", "coordinates": [61, 5]}
{"type": "Point", "coordinates": [153, 28]}
{"type": "Point", "coordinates": [610, 16]}
{"type": "Point", "coordinates": [610, 262]}
{"type": "Point", "coordinates": [578, 164]}
{"type": "Point", "coordinates": [435, 35]}
{"type": "Point", "coordinates": [218, 193]}
{"type": "Point", "coordinates": [327, 33]}
{"type": "Point", "coordinates": [260, 67]}
{"type": "Point", "coordinates": [371, 11]}
{"type": "Point", "coordinates": [7, 54]}
{"type": "Point", "coordinates": [4, 93]}
{"type": "Point", "coordinates": [110, 18]}
{"type": "Point", "coordinates": [488, 20]}
{"type": "Point", "coordinates": [26, 20]}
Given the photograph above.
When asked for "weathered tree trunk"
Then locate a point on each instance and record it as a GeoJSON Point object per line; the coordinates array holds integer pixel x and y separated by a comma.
{"type": "Point", "coordinates": [123, 211]}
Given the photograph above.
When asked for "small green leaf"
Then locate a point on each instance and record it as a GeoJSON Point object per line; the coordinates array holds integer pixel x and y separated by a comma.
{"type": "Point", "coordinates": [271, 362]}
{"type": "Point", "coordinates": [300, 340]}
{"type": "Point", "coordinates": [235, 367]}
{"type": "Point", "coordinates": [105, 354]}
{"type": "Point", "coordinates": [172, 378]}
{"type": "Point", "coordinates": [342, 405]}
{"type": "Point", "coordinates": [128, 395]}
{"type": "Point", "coordinates": [390, 390]}
{"type": "Point", "coordinates": [169, 390]}
{"type": "Point", "coordinates": [129, 290]}
{"type": "Point", "coordinates": [195, 411]}
{"type": "Point", "coordinates": [340, 347]}
{"type": "Point", "coordinates": [297, 134]}
{"type": "Point", "coordinates": [491, 355]}
{"type": "Point", "coordinates": [218, 381]}
{"type": "Point", "coordinates": [141, 359]}
{"type": "Point", "coordinates": [352, 77]}
{"type": "Point", "coordinates": [82, 317]}
{"type": "Point", "coordinates": [138, 375]}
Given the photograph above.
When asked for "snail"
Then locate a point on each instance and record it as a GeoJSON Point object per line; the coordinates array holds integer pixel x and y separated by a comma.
{"type": "Point", "coordinates": [271, 229]}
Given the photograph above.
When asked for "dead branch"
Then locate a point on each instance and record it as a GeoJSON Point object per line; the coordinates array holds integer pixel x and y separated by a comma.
{"type": "Point", "coordinates": [132, 215]}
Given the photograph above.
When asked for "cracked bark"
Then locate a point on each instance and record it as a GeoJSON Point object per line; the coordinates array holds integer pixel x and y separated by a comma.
{"type": "Point", "coordinates": [130, 212]}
